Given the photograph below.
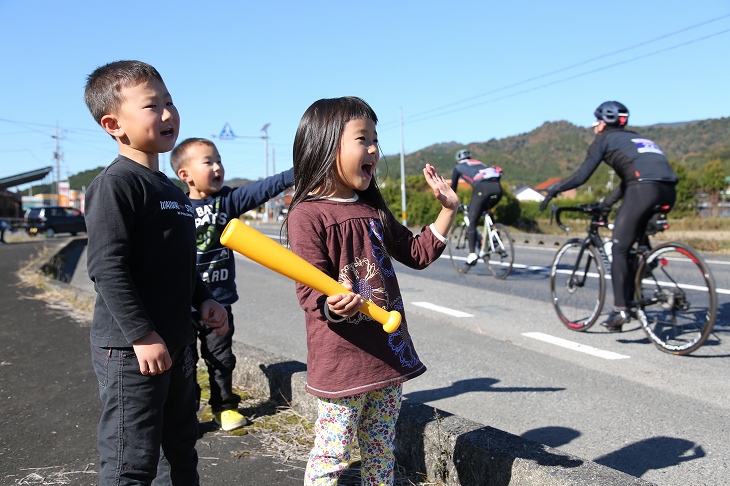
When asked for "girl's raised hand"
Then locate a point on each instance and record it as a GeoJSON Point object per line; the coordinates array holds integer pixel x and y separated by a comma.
{"type": "Point", "coordinates": [441, 188]}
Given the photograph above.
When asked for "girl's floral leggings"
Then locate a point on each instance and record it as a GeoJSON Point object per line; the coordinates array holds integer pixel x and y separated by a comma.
{"type": "Point", "coordinates": [368, 419]}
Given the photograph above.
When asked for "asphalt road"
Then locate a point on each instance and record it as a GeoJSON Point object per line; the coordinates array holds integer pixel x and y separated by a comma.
{"type": "Point", "coordinates": [656, 416]}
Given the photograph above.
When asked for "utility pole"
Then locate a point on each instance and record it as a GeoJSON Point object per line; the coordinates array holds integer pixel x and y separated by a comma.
{"type": "Point", "coordinates": [227, 134]}
{"type": "Point", "coordinates": [266, 146]}
{"type": "Point", "coordinates": [402, 172]}
{"type": "Point", "coordinates": [57, 155]}
{"type": "Point", "coordinates": [266, 151]}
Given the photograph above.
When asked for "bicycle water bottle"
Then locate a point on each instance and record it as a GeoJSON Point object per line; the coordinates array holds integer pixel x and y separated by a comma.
{"type": "Point", "coordinates": [608, 248]}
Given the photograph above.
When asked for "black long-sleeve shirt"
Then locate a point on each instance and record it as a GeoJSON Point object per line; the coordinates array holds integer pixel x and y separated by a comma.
{"type": "Point", "coordinates": [634, 158]}
{"type": "Point", "coordinates": [473, 171]}
{"type": "Point", "coordinates": [141, 256]}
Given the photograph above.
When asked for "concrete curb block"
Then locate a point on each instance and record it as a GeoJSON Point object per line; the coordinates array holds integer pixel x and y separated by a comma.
{"type": "Point", "coordinates": [444, 446]}
{"type": "Point", "coordinates": [548, 241]}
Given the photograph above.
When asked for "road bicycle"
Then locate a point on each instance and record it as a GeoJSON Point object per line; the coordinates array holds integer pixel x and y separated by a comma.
{"type": "Point", "coordinates": [673, 290]}
{"type": "Point", "coordinates": [494, 246]}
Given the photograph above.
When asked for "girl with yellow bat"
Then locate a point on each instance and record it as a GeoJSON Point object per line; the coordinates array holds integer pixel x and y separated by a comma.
{"type": "Point", "coordinates": [339, 222]}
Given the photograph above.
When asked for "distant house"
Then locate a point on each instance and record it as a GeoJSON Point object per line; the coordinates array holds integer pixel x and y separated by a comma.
{"type": "Point", "coordinates": [523, 192]}
{"type": "Point", "coordinates": [543, 186]}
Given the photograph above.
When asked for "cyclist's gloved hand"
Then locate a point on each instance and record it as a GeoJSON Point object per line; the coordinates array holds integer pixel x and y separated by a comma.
{"type": "Point", "coordinates": [552, 191]}
{"type": "Point", "coordinates": [544, 203]}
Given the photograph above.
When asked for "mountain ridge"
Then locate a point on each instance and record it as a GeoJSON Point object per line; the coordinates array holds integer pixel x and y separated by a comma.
{"type": "Point", "coordinates": [557, 148]}
{"type": "Point", "coordinates": [554, 149]}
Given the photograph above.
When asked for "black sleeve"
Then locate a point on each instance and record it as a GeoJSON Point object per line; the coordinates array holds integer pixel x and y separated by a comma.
{"type": "Point", "coordinates": [201, 292]}
{"type": "Point", "coordinates": [110, 216]}
{"type": "Point", "coordinates": [455, 179]}
{"type": "Point", "coordinates": [584, 172]}
{"type": "Point", "coordinates": [614, 197]}
{"type": "Point", "coordinates": [255, 194]}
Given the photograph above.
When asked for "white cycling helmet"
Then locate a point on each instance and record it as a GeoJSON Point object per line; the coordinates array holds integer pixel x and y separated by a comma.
{"type": "Point", "coordinates": [463, 154]}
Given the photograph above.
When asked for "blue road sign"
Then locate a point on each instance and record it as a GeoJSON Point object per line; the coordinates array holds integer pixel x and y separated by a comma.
{"type": "Point", "coordinates": [227, 133]}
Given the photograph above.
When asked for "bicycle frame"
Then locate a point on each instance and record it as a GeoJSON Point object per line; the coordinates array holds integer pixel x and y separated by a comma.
{"type": "Point", "coordinates": [494, 245]}
{"type": "Point", "coordinates": [598, 220]}
{"type": "Point", "coordinates": [488, 234]}
{"type": "Point", "coordinates": [671, 291]}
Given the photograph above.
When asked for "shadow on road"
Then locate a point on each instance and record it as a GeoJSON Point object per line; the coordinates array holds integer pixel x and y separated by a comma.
{"type": "Point", "coordinates": [552, 436]}
{"type": "Point", "coordinates": [471, 385]}
{"type": "Point", "coordinates": [655, 453]}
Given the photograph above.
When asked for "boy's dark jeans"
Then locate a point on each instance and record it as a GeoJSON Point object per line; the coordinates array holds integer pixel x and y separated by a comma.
{"type": "Point", "coordinates": [141, 413]}
{"type": "Point", "coordinates": [217, 352]}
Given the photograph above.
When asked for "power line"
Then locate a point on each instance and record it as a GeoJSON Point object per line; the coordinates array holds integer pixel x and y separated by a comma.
{"type": "Point", "coordinates": [421, 116]}
{"type": "Point", "coordinates": [29, 125]}
{"type": "Point", "coordinates": [568, 78]}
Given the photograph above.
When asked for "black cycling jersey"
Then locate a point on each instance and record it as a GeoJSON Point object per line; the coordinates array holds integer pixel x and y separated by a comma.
{"type": "Point", "coordinates": [473, 171]}
{"type": "Point", "coordinates": [635, 159]}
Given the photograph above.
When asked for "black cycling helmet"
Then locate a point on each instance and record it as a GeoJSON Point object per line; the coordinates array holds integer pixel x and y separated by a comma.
{"type": "Point", "coordinates": [463, 154]}
{"type": "Point", "coordinates": [613, 113]}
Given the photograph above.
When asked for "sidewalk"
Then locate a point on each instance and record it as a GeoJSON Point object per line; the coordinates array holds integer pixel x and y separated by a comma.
{"type": "Point", "coordinates": [50, 398]}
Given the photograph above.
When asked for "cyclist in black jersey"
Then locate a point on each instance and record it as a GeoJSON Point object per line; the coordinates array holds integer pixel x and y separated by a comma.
{"type": "Point", "coordinates": [487, 191]}
{"type": "Point", "coordinates": [647, 180]}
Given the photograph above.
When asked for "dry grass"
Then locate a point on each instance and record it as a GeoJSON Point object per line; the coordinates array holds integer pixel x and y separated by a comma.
{"type": "Point", "coordinates": [282, 433]}
{"type": "Point", "coordinates": [79, 306]}
{"type": "Point", "coordinates": [52, 475]}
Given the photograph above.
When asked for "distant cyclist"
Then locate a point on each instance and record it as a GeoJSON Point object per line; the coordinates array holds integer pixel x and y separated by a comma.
{"type": "Point", "coordinates": [486, 194]}
{"type": "Point", "coordinates": [647, 180]}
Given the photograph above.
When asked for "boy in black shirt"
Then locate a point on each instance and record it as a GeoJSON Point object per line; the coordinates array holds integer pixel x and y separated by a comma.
{"type": "Point", "coordinates": [141, 257]}
{"type": "Point", "coordinates": [196, 162]}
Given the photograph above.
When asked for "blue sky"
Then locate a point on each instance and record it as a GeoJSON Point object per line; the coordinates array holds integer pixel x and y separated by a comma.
{"type": "Point", "coordinates": [459, 71]}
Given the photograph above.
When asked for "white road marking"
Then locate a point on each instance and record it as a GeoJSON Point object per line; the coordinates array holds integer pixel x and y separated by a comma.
{"type": "Point", "coordinates": [537, 268]}
{"type": "Point", "coordinates": [443, 310]}
{"type": "Point", "coordinates": [582, 348]}
{"type": "Point", "coordinates": [514, 265]}
{"type": "Point", "coordinates": [716, 262]}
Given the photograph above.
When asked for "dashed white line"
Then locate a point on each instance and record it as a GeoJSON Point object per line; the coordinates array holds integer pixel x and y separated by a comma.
{"type": "Point", "coordinates": [582, 348]}
{"type": "Point", "coordinates": [538, 268]}
{"type": "Point", "coordinates": [443, 310]}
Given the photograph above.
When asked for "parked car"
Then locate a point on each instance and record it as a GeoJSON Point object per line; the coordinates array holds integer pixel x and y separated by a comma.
{"type": "Point", "coordinates": [51, 220]}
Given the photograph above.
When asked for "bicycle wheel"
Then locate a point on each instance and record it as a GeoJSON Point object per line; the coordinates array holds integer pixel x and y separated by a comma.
{"type": "Point", "coordinates": [501, 259]}
{"type": "Point", "coordinates": [677, 303]}
{"type": "Point", "coordinates": [458, 248]}
{"type": "Point", "coordinates": [578, 285]}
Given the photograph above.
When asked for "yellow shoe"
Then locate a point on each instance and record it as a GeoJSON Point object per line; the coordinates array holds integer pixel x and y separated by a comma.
{"type": "Point", "coordinates": [231, 420]}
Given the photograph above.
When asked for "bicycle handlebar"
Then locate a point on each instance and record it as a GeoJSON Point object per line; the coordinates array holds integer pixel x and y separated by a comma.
{"type": "Point", "coordinates": [599, 214]}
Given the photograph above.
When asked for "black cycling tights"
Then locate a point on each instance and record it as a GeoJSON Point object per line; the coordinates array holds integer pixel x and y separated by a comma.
{"type": "Point", "coordinates": [486, 195]}
{"type": "Point", "coordinates": [631, 219]}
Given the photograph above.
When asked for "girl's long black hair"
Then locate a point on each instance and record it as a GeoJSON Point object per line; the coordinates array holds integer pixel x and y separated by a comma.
{"type": "Point", "coordinates": [316, 145]}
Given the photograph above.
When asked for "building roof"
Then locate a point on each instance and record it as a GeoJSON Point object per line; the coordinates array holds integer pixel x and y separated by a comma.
{"type": "Point", "coordinates": [545, 184]}
{"type": "Point", "coordinates": [25, 177]}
